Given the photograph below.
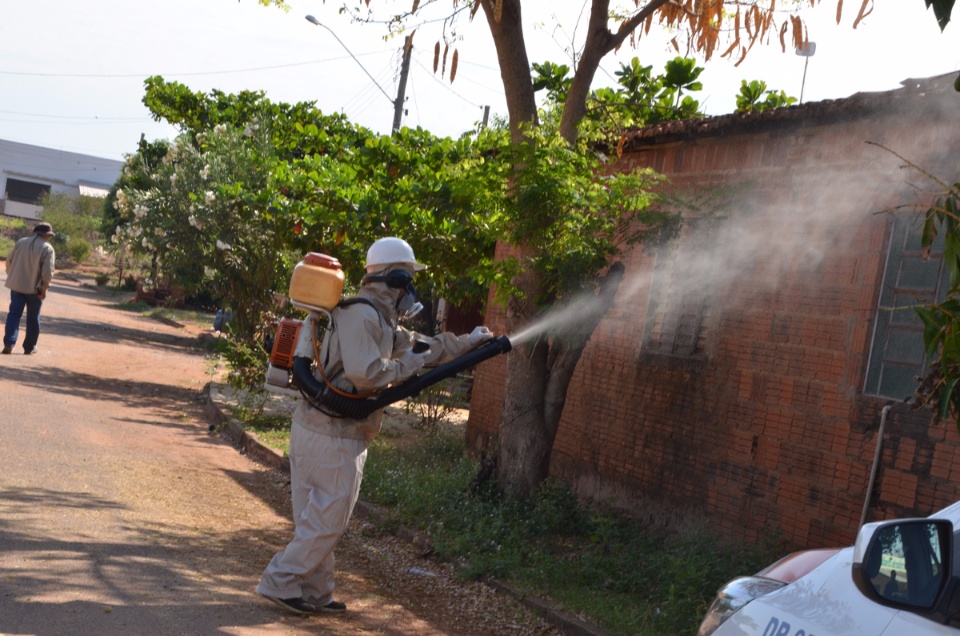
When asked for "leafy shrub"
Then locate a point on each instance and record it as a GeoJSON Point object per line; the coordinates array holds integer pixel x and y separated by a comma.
{"type": "Point", "coordinates": [102, 279]}
{"type": "Point", "coordinates": [434, 405]}
{"type": "Point", "coordinates": [78, 249]}
{"type": "Point", "coordinates": [247, 362]}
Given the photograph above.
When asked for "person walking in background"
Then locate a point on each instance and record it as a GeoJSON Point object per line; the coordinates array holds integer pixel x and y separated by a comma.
{"type": "Point", "coordinates": [30, 268]}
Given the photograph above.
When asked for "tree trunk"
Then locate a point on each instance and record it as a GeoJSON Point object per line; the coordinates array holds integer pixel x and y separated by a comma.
{"type": "Point", "coordinates": [508, 39]}
{"type": "Point", "coordinates": [539, 373]}
{"type": "Point", "coordinates": [538, 377]}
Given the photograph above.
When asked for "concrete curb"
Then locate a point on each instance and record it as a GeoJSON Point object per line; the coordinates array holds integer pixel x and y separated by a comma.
{"type": "Point", "coordinates": [218, 396]}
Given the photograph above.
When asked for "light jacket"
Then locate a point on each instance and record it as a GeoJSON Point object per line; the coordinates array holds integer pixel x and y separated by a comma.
{"type": "Point", "coordinates": [361, 353]}
{"type": "Point", "coordinates": [30, 265]}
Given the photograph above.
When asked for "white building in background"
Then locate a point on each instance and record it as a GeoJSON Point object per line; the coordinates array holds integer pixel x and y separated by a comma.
{"type": "Point", "coordinates": [28, 172]}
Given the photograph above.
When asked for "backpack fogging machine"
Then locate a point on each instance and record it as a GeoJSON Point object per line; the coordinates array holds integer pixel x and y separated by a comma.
{"type": "Point", "coordinates": [316, 287]}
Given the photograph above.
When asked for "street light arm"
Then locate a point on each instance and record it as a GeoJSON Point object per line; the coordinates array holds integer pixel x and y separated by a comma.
{"type": "Point", "coordinates": [313, 20]}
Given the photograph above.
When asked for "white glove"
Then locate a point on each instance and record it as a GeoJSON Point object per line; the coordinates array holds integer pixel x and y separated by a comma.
{"type": "Point", "coordinates": [413, 362]}
{"type": "Point", "coordinates": [478, 335]}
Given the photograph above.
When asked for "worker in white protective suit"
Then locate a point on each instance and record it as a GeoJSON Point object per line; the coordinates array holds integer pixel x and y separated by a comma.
{"type": "Point", "coordinates": [365, 350]}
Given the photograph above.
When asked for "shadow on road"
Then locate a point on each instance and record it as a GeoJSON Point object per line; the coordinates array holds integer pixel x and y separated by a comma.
{"type": "Point", "coordinates": [47, 592]}
{"type": "Point", "coordinates": [163, 398]}
{"type": "Point", "coordinates": [108, 333]}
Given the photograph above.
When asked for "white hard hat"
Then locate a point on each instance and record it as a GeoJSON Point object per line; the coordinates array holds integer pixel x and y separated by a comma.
{"type": "Point", "coordinates": [391, 251]}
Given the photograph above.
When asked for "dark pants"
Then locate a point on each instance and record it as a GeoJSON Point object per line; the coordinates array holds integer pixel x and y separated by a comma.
{"type": "Point", "coordinates": [17, 302]}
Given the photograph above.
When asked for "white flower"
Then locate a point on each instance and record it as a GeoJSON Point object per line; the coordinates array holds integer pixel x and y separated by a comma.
{"type": "Point", "coordinates": [127, 171]}
{"type": "Point", "coordinates": [159, 232]}
{"type": "Point", "coordinates": [173, 179]}
{"type": "Point", "coordinates": [205, 172]}
{"type": "Point", "coordinates": [145, 243]}
{"type": "Point", "coordinates": [171, 154]}
{"type": "Point", "coordinates": [223, 246]}
{"type": "Point", "coordinates": [193, 221]}
{"type": "Point", "coordinates": [209, 197]}
{"type": "Point", "coordinates": [219, 129]}
{"type": "Point", "coordinates": [140, 211]}
{"type": "Point", "coordinates": [115, 238]}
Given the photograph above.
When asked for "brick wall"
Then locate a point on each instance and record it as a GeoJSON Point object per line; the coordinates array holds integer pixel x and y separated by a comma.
{"type": "Point", "coordinates": [767, 427]}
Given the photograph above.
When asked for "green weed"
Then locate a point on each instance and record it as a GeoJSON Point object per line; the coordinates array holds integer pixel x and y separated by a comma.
{"type": "Point", "coordinates": [614, 570]}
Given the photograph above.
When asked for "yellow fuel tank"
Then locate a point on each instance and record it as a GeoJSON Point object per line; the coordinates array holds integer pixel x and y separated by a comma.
{"type": "Point", "coordinates": [317, 282]}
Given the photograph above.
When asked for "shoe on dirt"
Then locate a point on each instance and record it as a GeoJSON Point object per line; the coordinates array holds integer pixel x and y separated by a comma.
{"type": "Point", "coordinates": [296, 604]}
{"type": "Point", "coordinates": [8, 349]}
{"type": "Point", "coordinates": [333, 607]}
{"type": "Point", "coordinates": [30, 352]}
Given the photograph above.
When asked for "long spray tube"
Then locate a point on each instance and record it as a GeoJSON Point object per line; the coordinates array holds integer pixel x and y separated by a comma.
{"type": "Point", "coordinates": [358, 408]}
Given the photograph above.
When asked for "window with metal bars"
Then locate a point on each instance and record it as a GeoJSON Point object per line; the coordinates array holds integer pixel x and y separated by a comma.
{"type": "Point", "coordinates": [680, 298]}
{"type": "Point", "coordinates": [896, 353]}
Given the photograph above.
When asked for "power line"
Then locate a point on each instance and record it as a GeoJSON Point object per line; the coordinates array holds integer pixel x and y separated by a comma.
{"type": "Point", "coordinates": [225, 72]}
{"type": "Point", "coordinates": [72, 118]}
{"type": "Point", "coordinates": [430, 73]}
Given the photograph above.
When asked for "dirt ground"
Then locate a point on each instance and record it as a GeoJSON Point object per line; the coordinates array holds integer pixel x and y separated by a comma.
{"type": "Point", "coordinates": [121, 514]}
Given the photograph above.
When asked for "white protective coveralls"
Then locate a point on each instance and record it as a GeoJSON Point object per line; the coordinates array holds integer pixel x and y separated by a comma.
{"type": "Point", "coordinates": [366, 350]}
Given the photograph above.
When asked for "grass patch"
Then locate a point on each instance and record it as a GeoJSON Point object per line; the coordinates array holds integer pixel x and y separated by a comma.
{"type": "Point", "coordinates": [10, 230]}
{"type": "Point", "coordinates": [612, 569]}
{"type": "Point", "coordinates": [8, 223]}
{"type": "Point", "coordinates": [185, 315]}
{"type": "Point", "coordinates": [271, 430]}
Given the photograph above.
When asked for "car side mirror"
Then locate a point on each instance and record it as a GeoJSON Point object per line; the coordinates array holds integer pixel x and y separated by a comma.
{"type": "Point", "coordinates": [905, 564]}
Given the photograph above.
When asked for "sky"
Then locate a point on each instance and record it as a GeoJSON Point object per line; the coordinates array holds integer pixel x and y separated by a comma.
{"type": "Point", "coordinates": [72, 72]}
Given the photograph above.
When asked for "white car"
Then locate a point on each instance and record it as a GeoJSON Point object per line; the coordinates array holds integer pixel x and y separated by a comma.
{"type": "Point", "coordinates": [901, 578]}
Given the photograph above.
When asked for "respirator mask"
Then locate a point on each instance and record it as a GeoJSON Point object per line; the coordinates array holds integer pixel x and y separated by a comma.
{"type": "Point", "coordinates": [408, 305]}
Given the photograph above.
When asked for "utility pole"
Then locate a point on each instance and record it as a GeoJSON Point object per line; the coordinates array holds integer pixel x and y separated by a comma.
{"type": "Point", "coordinates": [486, 116]}
{"type": "Point", "coordinates": [401, 89]}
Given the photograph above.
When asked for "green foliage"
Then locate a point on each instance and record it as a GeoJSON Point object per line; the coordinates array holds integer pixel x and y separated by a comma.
{"type": "Point", "coordinates": [612, 569]}
{"type": "Point", "coordinates": [552, 77]}
{"type": "Point", "coordinates": [642, 98]}
{"type": "Point", "coordinates": [230, 206]}
{"type": "Point", "coordinates": [76, 221]}
{"type": "Point", "coordinates": [749, 99]}
{"type": "Point", "coordinates": [11, 224]}
{"type": "Point", "coordinates": [566, 205]}
{"type": "Point", "coordinates": [246, 359]}
{"type": "Point", "coordinates": [78, 249]}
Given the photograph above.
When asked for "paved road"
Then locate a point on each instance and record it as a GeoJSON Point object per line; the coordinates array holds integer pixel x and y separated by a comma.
{"type": "Point", "coordinates": [115, 505]}
{"type": "Point", "coordinates": [120, 514]}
